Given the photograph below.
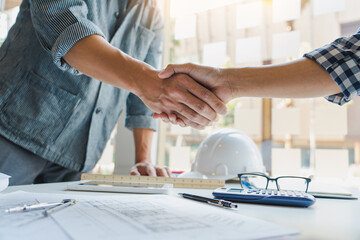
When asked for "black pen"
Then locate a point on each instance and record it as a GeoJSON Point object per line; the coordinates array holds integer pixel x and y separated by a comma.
{"type": "Point", "coordinates": [216, 202]}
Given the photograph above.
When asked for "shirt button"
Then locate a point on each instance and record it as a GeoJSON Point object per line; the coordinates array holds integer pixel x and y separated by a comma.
{"type": "Point", "coordinates": [98, 110]}
{"type": "Point", "coordinates": [117, 14]}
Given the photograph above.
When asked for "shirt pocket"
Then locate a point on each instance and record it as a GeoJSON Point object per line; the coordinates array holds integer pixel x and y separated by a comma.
{"type": "Point", "coordinates": [38, 110]}
{"type": "Point", "coordinates": [135, 41]}
{"type": "Point", "coordinates": [143, 40]}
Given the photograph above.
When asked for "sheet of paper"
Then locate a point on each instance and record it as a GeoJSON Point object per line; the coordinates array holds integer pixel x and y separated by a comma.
{"type": "Point", "coordinates": [285, 45]}
{"type": "Point", "coordinates": [4, 181]}
{"type": "Point", "coordinates": [285, 161]}
{"type": "Point", "coordinates": [323, 187]}
{"type": "Point", "coordinates": [328, 6]}
{"type": "Point", "coordinates": [186, 7]}
{"type": "Point", "coordinates": [249, 15]}
{"type": "Point", "coordinates": [3, 25]}
{"type": "Point", "coordinates": [248, 120]}
{"type": "Point", "coordinates": [130, 217]}
{"type": "Point", "coordinates": [214, 54]}
{"type": "Point", "coordinates": [185, 27]}
{"type": "Point", "coordinates": [286, 10]}
{"type": "Point", "coordinates": [286, 121]}
{"type": "Point", "coordinates": [328, 117]}
{"type": "Point", "coordinates": [27, 225]}
{"type": "Point", "coordinates": [331, 163]}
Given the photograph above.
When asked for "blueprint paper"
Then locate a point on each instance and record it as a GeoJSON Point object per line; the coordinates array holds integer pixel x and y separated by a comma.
{"type": "Point", "coordinates": [130, 217]}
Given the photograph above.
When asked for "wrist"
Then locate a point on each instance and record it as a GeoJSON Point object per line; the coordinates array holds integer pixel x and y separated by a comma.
{"type": "Point", "coordinates": [239, 81]}
{"type": "Point", "coordinates": [142, 160]}
{"type": "Point", "coordinates": [230, 78]}
{"type": "Point", "coordinates": [133, 73]}
{"type": "Point", "coordinates": [146, 80]}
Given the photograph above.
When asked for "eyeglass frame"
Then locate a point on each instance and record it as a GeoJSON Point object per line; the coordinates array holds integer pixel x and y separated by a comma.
{"type": "Point", "coordinates": [308, 180]}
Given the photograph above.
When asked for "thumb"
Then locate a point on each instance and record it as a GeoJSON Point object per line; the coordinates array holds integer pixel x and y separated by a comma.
{"type": "Point", "coordinates": [134, 171]}
{"type": "Point", "coordinates": [150, 170]}
{"type": "Point", "coordinates": [171, 69]}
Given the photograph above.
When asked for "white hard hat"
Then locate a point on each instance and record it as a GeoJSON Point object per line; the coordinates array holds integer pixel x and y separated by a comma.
{"type": "Point", "coordinates": [226, 153]}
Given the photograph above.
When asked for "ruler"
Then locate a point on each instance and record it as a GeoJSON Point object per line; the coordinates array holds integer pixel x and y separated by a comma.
{"type": "Point", "coordinates": [177, 182]}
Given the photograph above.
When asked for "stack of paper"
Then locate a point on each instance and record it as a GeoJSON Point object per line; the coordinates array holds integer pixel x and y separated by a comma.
{"type": "Point", "coordinates": [129, 216]}
{"type": "Point", "coordinates": [4, 181]}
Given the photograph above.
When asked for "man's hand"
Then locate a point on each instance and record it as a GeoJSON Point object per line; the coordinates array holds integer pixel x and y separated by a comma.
{"type": "Point", "coordinates": [148, 169]}
{"type": "Point", "coordinates": [183, 96]}
{"type": "Point", "coordinates": [143, 166]}
{"type": "Point", "coordinates": [301, 78]}
{"type": "Point", "coordinates": [212, 78]}
{"type": "Point", "coordinates": [179, 94]}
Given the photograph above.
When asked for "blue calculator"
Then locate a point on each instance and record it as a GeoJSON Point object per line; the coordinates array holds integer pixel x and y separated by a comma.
{"type": "Point", "coordinates": [262, 196]}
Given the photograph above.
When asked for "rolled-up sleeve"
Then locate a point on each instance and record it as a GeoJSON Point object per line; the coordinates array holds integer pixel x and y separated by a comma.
{"type": "Point", "coordinates": [341, 59]}
{"type": "Point", "coordinates": [59, 24]}
{"type": "Point", "coordinates": [138, 114]}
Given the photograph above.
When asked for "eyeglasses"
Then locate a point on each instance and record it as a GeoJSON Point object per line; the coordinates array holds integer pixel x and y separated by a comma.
{"type": "Point", "coordinates": [261, 181]}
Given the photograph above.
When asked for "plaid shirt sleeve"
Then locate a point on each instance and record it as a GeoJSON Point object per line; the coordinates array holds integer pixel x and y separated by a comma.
{"type": "Point", "coordinates": [341, 59]}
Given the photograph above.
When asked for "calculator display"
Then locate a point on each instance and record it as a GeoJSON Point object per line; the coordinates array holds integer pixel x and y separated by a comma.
{"type": "Point", "coordinates": [238, 190]}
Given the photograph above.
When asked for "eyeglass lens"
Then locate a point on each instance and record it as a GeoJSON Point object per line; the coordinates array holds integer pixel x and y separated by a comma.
{"type": "Point", "coordinates": [296, 184]}
{"type": "Point", "coordinates": [284, 183]}
{"type": "Point", "coordinates": [253, 181]}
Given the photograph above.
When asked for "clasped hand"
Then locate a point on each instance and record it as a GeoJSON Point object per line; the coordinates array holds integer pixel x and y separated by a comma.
{"type": "Point", "coordinates": [181, 96]}
{"type": "Point", "coordinates": [211, 86]}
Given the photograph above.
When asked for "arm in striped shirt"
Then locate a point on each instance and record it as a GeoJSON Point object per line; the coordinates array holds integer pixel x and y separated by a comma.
{"type": "Point", "coordinates": [59, 25]}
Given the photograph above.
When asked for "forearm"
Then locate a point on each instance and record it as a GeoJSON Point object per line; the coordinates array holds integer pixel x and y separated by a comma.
{"type": "Point", "coordinates": [297, 79]}
{"type": "Point", "coordinates": [143, 142]}
{"type": "Point", "coordinates": [95, 57]}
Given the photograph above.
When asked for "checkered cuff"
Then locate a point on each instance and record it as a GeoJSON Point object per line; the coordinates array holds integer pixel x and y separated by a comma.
{"type": "Point", "coordinates": [341, 59]}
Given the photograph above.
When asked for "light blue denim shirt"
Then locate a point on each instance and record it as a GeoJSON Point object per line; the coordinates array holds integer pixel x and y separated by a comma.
{"type": "Point", "coordinates": [48, 107]}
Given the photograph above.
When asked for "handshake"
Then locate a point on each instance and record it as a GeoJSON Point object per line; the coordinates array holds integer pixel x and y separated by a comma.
{"type": "Point", "coordinates": [194, 95]}
{"type": "Point", "coordinates": [200, 92]}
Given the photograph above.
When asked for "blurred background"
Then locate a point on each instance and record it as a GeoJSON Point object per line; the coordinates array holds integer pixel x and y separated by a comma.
{"type": "Point", "coordinates": [295, 136]}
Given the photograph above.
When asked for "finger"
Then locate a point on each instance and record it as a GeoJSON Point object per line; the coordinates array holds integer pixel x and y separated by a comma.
{"type": "Point", "coordinates": [208, 97]}
{"type": "Point", "coordinates": [134, 171]}
{"type": "Point", "coordinates": [161, 172]}
{"type": "Point", "coordinates": [163, 116]}
{"type": "Point", "coordinates": [181, 122]}
{"type": "Point", "coordinates": [165, 119]}
{"type": "Point", "coordinates": [168, 172]}
{"type": "Point", "coordinates": [193, 108]}
{"type": "Point", "coordinates": [150, 170]}
{"type": "Point", "coordinates": [193, 115]}
{"type": "Point", "coordinates": [189, 122]}
{"type": "Point", "coordinates": [172, 118]}
{"type": "Point", "coordinates": [156, 115]}
{"type": "Point", "coordinates": [171, 69]}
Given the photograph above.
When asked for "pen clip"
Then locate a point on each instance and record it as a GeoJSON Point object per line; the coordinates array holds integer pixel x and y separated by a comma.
{"type": "Point", "coordinates": [222, 203]}
{"type": "Point", "coordinates": [218, 204]}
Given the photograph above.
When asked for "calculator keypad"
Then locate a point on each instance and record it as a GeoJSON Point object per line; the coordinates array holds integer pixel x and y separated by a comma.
{"type": "Point", "coordinates": [274, 192]}
{"type": "Point", "coordinates": [267, 196]}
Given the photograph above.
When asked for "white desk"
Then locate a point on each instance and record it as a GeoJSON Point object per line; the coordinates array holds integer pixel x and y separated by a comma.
{"type": "Point", "coordinates": [326, 219]}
